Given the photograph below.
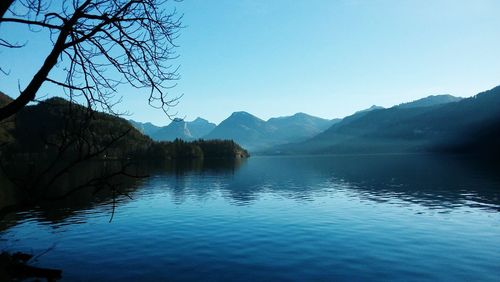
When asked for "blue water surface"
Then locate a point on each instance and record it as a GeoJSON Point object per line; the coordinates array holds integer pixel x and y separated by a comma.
{"type": "Point", "coordinates": [321, 218]}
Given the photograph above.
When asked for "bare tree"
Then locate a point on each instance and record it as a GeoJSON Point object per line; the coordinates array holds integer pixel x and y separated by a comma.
{"type": "Point", "coordinates": [73, 143]}
{"type": "Point", "coordinates": [96, 46]}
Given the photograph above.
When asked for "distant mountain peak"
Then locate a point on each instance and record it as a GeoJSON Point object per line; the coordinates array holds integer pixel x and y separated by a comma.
{"type": "Point", "coordinates": [241, 113]}
{"type": "Point", "coordinates": [200, 120]}
{"type": "Point", "coordinates": [301, 115]}
{"type": "Point", "coordinates": [179, 128]}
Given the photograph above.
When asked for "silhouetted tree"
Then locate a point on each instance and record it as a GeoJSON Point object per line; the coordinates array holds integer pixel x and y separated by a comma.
{"type": "Point", "coordinates": [98, 45]}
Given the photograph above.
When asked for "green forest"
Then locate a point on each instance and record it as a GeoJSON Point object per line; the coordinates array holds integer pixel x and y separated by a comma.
{"type": "Point", "coordinates": [72, 131]}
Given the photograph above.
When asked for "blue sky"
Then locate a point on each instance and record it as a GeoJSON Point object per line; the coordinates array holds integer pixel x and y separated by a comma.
{"type": "Point", "coordinates": [326, 58]}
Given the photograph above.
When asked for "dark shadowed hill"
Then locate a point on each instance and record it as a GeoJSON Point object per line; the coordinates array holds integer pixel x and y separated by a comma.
{"type": "Point", "coordinates": [57, 121]}
{"type": "Point", "coordinates": [41, 130]}
{"type": "Point", "coordinates": [467, 125]}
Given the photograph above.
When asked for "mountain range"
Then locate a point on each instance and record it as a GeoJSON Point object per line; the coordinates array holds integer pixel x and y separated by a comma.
{"type": "Point", "coordinates": [244, 128]}
{"type": "Point", "coordinates": [57, 128]}
{"type": "Point", "coordinates": [433, 123]}
{"type": "Point", "coordinates": [177, 129]}
{"type": "Point", "coordinates": [256, 134]}
{"type": "Point", "coordinates": [436, 123]}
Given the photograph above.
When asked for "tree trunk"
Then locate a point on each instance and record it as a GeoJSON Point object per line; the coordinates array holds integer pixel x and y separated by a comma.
{"type": "Point", "coordinates": [4, 6]}
{"type": "Point", "coordinates": [29, 93]}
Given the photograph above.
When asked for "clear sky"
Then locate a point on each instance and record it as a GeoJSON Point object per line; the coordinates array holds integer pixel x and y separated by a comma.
{"type": "Point", "coordinates": [326, 58]}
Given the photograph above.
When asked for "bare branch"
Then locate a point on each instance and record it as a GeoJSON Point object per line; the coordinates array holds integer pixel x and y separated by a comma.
{"type": "Point", "coordinates": [101, 45]}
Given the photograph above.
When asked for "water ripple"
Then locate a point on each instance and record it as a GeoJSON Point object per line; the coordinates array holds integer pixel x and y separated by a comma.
{"type": "Point", "coordinates": [280, 219]}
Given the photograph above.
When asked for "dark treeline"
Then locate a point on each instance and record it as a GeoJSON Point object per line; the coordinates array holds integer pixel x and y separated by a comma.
{"type": "Point", "coordinates": [45, 145]}
{"type": "Point", "coordinates": [199, 149]}
{"type": "Point", "coordinates": [56, 127]}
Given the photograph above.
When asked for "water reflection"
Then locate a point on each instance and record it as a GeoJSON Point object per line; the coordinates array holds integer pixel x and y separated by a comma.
{"type": "Point", "coordinates": [432, 181]}
{"type": "Point", "coordinates": [83, 201]}
{"type": "Point", "coordinates": [277, 218]}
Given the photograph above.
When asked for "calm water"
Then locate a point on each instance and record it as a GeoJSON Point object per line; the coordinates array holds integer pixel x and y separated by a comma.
{"type": "Point", "coordinates": [409, 218]}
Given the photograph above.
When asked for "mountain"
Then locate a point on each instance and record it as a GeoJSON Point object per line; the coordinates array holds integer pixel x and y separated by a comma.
{"type": "Point", "coordinates": [37, 128]}
{"type": "Point", "coordinates": [256, 134]}
{"type": "Point", "coordinates": [245, 129]}
{"type": "Point", "coordinates": [145, 128]}
{"type": "Point", "coordinates": [55, 126]}
{"type": "Point", "coordinates": [185, 130]}
{"type": "Point", "coordinates": [298, 127]}
{"type": "Point", "coordinates": [177, 129]}
{"type": "Point", "coordinates": [360, 114]}
{"type": "Point", "coordinates": [372, 108]}
{"type": "Point", "coordinates": [200, 127]}
{"type": "Point", "coordinates": [433, 100]}
{"type": "Point", "coordinates": [457, 126]}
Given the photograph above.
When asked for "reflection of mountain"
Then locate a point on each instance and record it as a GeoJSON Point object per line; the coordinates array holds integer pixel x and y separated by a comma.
{"type": "Point", "coordinates": [430, 124]}
{"type": "Point", "coordinates": [80, 198]}
{"type": "Point", "coordinates": [428, 181]}
{"type": "Point", "coordinates": [86, 199]}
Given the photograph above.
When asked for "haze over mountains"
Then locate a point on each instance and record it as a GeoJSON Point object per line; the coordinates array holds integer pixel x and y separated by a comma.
{"type": "Point", "coordinates": [244, 128]}
{"type": "Point", "coordinates": [177, 129]}
{"type": "Point", "coordinates": [434, 123]}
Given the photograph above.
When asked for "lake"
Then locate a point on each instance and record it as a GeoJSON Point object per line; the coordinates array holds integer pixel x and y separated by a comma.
{"type": "Point", "coordinates": [307, 218]}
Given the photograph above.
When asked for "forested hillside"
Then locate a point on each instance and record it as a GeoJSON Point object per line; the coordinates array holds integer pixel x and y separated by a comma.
{"type": "Point", "coordinates": [57, 127]}
{"type": "Point", "coordinates": [467, 125]}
